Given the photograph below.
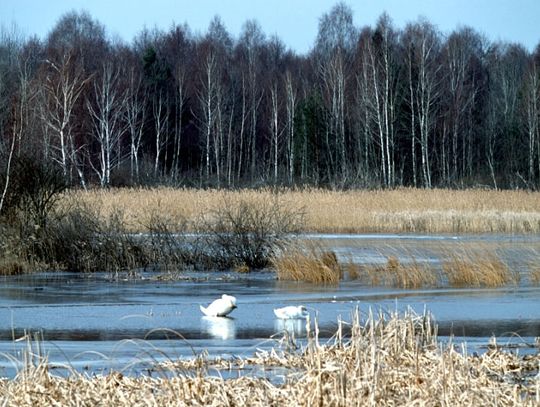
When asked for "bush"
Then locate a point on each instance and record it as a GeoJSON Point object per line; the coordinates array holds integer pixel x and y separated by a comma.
{"type": "Point", "coordinates": [168, 247]}
{"type": "Point", "coordinates": [76, 239]}
{"type": "Point", "coordinates": [247, 233]}
{"type": "Point", "coordinates": [33, 190]}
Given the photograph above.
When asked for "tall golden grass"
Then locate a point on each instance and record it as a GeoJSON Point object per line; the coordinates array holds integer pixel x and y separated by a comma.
{"type": "Point", "coordinates": [534, 268]}
{"type": "Point", "coordinates": [410, 274]}
{"type": "Point", "coordinates": [387, 360]}
{"type": "Point", "coordinates": [392, 211]}
{"type": "Point", "coordinates": [535, 275]}
{"type": "Point", "coordinates": [471, 270]}
{"type": "Point", "coordinates": [461, 265]}
{"type": "Point", "coordinates": [310, 263]}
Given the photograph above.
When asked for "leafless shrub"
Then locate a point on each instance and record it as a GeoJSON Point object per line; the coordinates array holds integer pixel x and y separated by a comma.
{"type": "Point", "coordinates": [166, 242]}
{"type": "Point", "coordinates": [75, 239]}
{"type": "Point", "coordinates": [249, 232]}
{"type": "Point", "coordinates": [33, 191]}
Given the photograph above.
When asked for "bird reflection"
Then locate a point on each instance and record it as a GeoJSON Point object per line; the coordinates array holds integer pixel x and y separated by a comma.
{"type": "Point", "coordinates": [292, 326]}
{"type": "Point", "coordinates": [219, 327]}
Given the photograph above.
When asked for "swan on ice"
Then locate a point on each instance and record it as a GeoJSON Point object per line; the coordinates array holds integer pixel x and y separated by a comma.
{"type": "Point", "coordinates": [221, 307]}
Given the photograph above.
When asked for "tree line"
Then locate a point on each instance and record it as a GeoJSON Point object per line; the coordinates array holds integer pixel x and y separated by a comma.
{"type": "Point", "coordinates": [372, 106]}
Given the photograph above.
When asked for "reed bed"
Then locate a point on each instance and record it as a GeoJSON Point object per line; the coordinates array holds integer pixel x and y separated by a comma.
{"type": "Point", "coordinates": [534, 268]}
{"type": "Point", "coordinates": [310, 263]}
{"type": "Point", "coordinates": [462, 265]}
{"type": "Point", "coordinates": [355, 211]}
{"type": "Point", "coordinates": [10, 267]}
{"type": "Point", "coordinates": [458, 265]}
{"type": "Point", "coordinates": [379, 359]}
{"type": "Point", "coordinates": [535, 275]}
{"type": "Point", "coordinates": [395, 273]}
{"type": "Point", "coordinates": [469, 267]}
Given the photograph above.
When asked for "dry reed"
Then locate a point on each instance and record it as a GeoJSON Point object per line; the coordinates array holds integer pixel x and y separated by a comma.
{"type": "Point", "coordinates": [534, 267]}
{"type": "Point", "coordinates": [455, 265]}
{"type": "Point", "coordinates": [411, 274]}
{"type": "Point", "coordinates": [387, 360]}
{"type": "Point", "coordinates": [357, 211]}
{"type": "Point", "coordinates": [10, 267]}
{"type": "Point", "coordinates": [477, 268]}
{"type": "Point", "coordinates": [309, 262]}
{"type": "Point", "coordinates": [534, 275]}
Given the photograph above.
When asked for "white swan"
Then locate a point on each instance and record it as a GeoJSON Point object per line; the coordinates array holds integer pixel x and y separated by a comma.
{"type": "Point", "coordinates": [291, 312]}
{"type": "Point", "coordinates": [221, 307]}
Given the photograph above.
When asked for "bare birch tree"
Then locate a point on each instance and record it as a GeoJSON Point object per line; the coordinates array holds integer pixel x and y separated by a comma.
{"type": "Point", "coordinates": [106, 110]}
{"type": "Point", "coordinates": [160, 114]}
{"type": "Point", "coordinates": [62, 86]}
{"type": "Point", "coordinates": [532, 120]}
{"type": "Point", "coordinates": [180, 101]}
{"type": "Point", "coordinates": [336, 39]}
{"type": "Point", "coordinates": [423, 47]}
{"type": "Point", "coordinates": [207, 99]}
{"type": "Point", "coordinates": [291, 105]}
{"type": "Point", "coordinates": [251, 40]}
{"type": "Point", "coordinates": [135, 118]}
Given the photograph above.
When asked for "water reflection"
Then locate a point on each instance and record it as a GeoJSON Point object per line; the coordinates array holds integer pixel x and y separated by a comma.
{"type": "Point", "coordinates": [292, 326]}
{"type": "Point", "coordinates": [219, 327]}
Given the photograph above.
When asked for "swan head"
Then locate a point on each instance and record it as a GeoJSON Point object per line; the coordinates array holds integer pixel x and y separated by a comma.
{"type": "Point", "coordinates": [230, 299]}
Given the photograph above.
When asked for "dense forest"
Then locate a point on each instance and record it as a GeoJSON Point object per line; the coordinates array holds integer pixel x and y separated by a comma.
{"type": "Point", "coordinates": [368, 106]}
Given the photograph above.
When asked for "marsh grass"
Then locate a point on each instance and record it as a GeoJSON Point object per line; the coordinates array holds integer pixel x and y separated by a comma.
{"type": "Point", "coordinates": [376, 359]}
{"type": "Point", "coordinates": [461, 266]}
{"type": "Point", "coordinates": [355, 211]}
{"type": "Point", "coordinates": [533, 266]}
{"type": "Point", "coordinates": [534, 276]}
{"type": "Point", "coordinates": [309, 262]}
{"type": "Point", "coordinates": [412, 274]}
{"type": "Point", "coordinates": [12, 267]}
{"type": "Point", "coordinates": [469, 267]}
{"type": "Point", "coordinates": [396, 273]}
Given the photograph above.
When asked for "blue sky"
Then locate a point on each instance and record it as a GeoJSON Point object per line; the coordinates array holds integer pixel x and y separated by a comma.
{"type": "Point", "coordinates": [294, 21]}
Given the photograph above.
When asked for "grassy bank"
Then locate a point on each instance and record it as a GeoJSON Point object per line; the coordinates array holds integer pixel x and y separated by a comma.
{"type": "Point", "coordinates": [386, 360]}
{"type": "Point", "coordinates": [96, 230]}
{"type": "Point", "coordinates": [80, 235]}
{"type": "Point", "coordinates": [386, 211]}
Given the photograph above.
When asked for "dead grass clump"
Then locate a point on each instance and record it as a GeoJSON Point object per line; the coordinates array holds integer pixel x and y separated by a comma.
{"type": "Point", "coordinates": [474, 269]}
{"type": "Point", "coordinates": [242, 268]}
{"type": "Point", "coordinates": [412, 275]}
{"type": "Point", "coordinates": [353, 270]}
{"type": "Point", "coordinates": [310, 263]}
{"type": "Point", "coordinates": [534, 275]}
{"type": "Point", "coordinates": [394, 273]}
{"type": "Point", "coordinates": [12, 267]}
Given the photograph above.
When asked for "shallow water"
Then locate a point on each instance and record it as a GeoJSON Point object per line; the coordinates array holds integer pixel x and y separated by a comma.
{"type": "Point", "coordinates": [92, 322]}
